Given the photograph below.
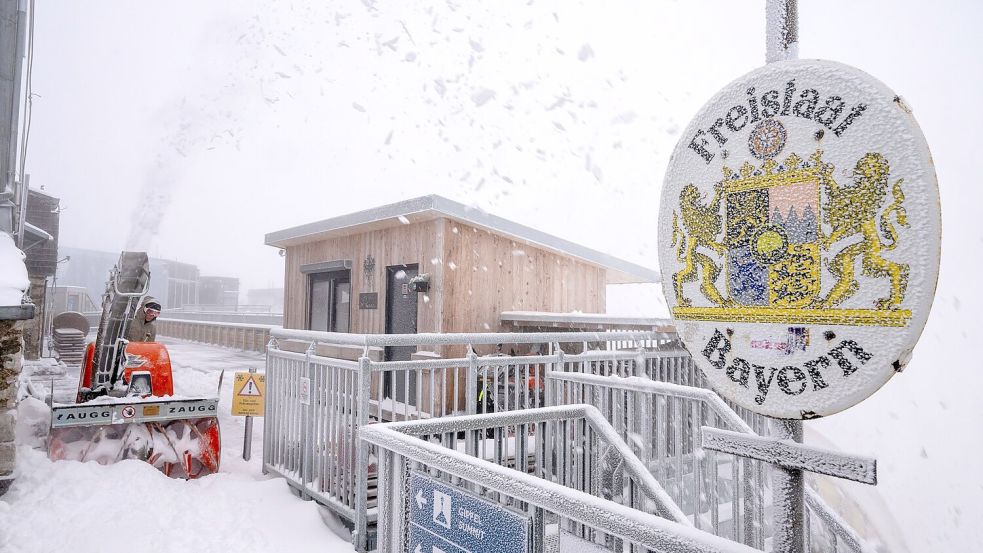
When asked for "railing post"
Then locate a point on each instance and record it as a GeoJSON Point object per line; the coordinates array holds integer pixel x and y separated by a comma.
{"type": "Point", "coordinates": [305, 444]}
{"type": "Point", "coordinates": [557, 366]}
{"type": "Point", "coordinates": [268, 408]}
{"type": "Point", "coordinates": [471, 396]}
{"type": "Point", "coordinates": [384, 522]}
{"type": "Point", "coordinates": [471, 383]}
{"type": "Point", "coordinates": [310, 412]}
{"type": "Point", "coordinates": [360, 537]}
{"type": "Point", "coordinates": [540, 540]}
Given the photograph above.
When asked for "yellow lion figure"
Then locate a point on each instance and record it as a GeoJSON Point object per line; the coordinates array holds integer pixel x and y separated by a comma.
{"type": "Point", "coordinates": [851, 210]}
{"type": "Point", "coordinates": [702, 224]}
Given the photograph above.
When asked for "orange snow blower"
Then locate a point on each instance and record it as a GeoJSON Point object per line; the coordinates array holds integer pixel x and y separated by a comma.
{"type": "Point", "coordinates": [125, 407]}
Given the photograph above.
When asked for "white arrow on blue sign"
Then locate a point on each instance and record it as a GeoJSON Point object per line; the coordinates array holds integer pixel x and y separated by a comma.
{"type": "Point", "coordinates": [422, 541]}
{"type": "Point", "coordinates": [445, 519]}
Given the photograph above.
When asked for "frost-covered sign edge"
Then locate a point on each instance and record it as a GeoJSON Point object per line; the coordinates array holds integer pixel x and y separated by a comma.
{"type": "Point", "coordinates": [800, 237]}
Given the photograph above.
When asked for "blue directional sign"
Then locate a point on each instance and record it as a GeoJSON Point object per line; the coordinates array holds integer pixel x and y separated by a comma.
{"type": "Point", "coordinates": [445, 519]}
{"type": "Point", "coordinates": [422, 541]}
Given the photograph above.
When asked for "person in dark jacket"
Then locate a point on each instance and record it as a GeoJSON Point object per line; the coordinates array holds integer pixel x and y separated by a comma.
{"type": "Point", "coordinates": [142, 327]}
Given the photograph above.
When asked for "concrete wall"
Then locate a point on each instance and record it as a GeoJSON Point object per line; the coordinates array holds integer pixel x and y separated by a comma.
{"type": "Point", "coordinates": [229, 335]}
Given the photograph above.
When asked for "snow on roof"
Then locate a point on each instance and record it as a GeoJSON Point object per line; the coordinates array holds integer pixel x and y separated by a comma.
{"type": "Point", "coordinates": [13, 272]}
{"type": "Point", "coordinates": [431, 207]}
{"type": "Point", "coordinates": [577, 319]}
{"type": "Point", "coordinates": [34, 235]}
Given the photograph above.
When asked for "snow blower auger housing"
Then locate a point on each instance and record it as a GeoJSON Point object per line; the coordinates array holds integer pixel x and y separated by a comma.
{"type": "Point", "coordinates": [123, 408]}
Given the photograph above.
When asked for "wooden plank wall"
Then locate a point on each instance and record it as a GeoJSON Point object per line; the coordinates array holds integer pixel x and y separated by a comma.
{"type": "Point", "coordinates": [487, 273]}
{"type": "Point", "coordinates": [405, 244]}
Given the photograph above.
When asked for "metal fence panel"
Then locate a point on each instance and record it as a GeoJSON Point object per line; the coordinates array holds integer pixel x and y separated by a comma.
{"type": "Point", "coordinates": [573, 500]}
{"type": "Point", "coordinates": [720, 493]}
{"type": "Point", "coordinates": [315, 445]}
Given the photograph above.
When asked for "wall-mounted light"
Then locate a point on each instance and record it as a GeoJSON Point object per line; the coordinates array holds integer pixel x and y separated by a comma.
{"type": "Point", "coordinates": [420, 283]}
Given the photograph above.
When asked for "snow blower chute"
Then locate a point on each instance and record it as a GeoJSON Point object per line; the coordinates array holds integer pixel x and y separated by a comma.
{"type": "Point", "coordinates": [123, 409]}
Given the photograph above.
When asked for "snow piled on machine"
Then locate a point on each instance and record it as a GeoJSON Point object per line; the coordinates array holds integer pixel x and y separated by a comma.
{"type": "Point", "coordinates": [131, 506]}
{"type": "Point", "coordinates": [13, 273]}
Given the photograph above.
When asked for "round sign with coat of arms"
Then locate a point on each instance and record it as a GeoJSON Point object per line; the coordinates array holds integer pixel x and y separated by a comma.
{"type": "Point", "coordinates": [799, 238]}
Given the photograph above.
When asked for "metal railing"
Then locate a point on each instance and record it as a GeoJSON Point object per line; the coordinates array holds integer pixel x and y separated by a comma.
{"type": "Point", "coordinates": [317, 404]}
{"type": "Point", "coordinates": [248, 337]}
{"type": "Point", "coordinates": [566, 469]}
{"type": "Point", "coordinates": [720, 493]}
{"type": "Point", "coordinates": [311, 434]}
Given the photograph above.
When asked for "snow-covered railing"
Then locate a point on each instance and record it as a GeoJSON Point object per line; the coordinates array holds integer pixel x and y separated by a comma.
{"type": "Point", "coordinates": [310, 430]}
{"type": "Point", "coordinates": [311, 423]}
{"type": "Point", "coordinates": [720, 493]}
{"type": "Point", "coordinates": [465, 338]}
{"type": "Point", "coordinates": [249, 337]}
{"type": "Point", "coordinates": [668, 364]}
{"type": "Point", "coordinates": [563, 466]}
{"type": "Point", "coordinates": [317, 401]}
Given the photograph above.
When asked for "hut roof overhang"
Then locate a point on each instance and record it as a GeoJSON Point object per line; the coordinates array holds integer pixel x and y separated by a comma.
{"type": "Point", "coordinates": [427, 208]}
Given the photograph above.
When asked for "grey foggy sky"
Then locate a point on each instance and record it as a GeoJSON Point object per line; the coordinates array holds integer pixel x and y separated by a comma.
{"type": "Point", "coordinates": [249, 117]}
{"type": "Point", "coordinates": [246, 120]}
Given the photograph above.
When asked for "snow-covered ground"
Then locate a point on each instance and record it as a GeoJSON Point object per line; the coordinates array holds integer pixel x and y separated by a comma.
{"type": "Point", "coordinates": [130, 506]}
{"type": "Point", "coordinates": [923, 442]}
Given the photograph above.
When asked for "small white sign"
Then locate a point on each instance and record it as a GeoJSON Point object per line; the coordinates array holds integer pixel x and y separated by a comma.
{"type": "Point", "coordinates": [304, 390]}
{"type": "Point", "coordinates": [799, 237]}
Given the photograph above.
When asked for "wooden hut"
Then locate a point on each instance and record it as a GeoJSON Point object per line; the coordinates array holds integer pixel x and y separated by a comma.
{"type": "Point", "coordinates": [434, 265]}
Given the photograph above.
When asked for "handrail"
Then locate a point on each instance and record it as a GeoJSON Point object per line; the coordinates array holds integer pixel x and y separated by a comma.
{"type": "Point", "coordinates": [724, 411]}
{"type": "Point", "coordinates": [497, 360]}
{"type": "Point", "coordinates": [463, 338]}
{"type": "Point", "coordinates": [635, 383]}
{"type": "Point", "coordinates": [647, 530]}
{"type": "Point", "coordinates": [650, 486]}
{"type": "Point", "coordinates": [839, 526]}
{"type": "Point", "coordinates": [625, 355]}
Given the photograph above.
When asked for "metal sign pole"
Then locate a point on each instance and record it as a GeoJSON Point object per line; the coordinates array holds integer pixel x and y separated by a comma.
{"type": "Point", "coordinates": [781, 43]}
{"type": "Point", "coordinates": [789, 493]}
{"type": "Point", "coordinates": [782, 30]}
{"type": "Point", "coordinates": [247, 440]}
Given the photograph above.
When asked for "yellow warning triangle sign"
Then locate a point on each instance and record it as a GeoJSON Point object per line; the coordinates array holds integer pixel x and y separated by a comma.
{"type": "Point", "coordinates": [250, 388]}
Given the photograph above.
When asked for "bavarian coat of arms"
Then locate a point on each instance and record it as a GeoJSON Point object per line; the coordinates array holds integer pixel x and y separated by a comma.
{"type": "Point", "coordinates": [768, 230]}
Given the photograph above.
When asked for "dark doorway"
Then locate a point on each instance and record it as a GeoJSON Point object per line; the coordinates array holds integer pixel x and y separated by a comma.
{"type": "Point", "coordinates": [400, 319]}
{"type": "Point", "coordinates": [329, 301]}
